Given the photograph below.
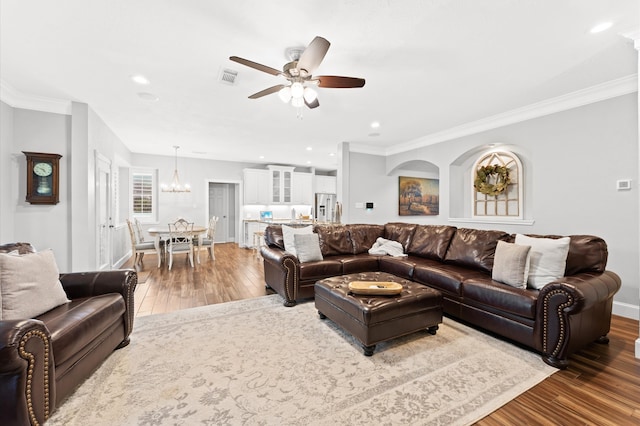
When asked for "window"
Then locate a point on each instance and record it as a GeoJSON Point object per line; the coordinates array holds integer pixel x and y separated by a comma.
{"type": "Point", "coordinates": [143, 194]}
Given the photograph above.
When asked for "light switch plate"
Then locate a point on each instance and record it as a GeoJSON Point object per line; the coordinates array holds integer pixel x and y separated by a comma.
{"type": "Point", "coordinates": [623, 184]}
{"type": "Point", "coordinates": [359, 205]}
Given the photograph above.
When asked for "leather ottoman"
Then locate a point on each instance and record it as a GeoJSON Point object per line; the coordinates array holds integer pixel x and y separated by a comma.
{"type": "Point", "coordinates": [374, 319]}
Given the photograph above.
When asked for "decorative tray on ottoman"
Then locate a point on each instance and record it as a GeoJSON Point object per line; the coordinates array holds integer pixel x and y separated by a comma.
{"type": "Point", "coordinates": [380, 288]}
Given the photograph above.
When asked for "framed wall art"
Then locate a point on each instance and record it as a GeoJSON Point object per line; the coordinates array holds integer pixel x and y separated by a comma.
{"type": "Point", "coordinates": [418, 196]}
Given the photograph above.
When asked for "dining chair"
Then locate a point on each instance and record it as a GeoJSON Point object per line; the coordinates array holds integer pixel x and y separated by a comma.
{"type": "Point", "coordinates": [180, 240]}
{"type": "Point", "coordinates": [138, 247]}
{"type": "Point", "coordinates": [208, 241]}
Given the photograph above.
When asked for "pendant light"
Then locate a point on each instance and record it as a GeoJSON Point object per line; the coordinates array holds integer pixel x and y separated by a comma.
{"type": "Point", "coordinates": [176, 186]}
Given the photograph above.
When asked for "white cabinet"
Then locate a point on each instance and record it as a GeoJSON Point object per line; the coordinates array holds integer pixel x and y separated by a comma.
{"type": "Point", "coordinates": [326, 184]}
{"type": "Point", "coordinates": [302, 188]}
{"type": "Point", "coordinates": [256, 186]}
{"type": "Point", "coordinates": [281, 184]}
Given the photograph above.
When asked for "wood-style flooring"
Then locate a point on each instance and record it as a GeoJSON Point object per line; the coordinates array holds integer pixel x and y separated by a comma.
{"type": "Point", "coordinates": [600, 387]}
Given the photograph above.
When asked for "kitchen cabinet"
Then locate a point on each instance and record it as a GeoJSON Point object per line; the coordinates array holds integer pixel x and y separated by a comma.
{"type": "Point", "coordinates": [281, 184]}
{"type": "Point", "coordinates": [302, 189]}
{"type": "Point", "coordinates": [256, 186]}
{"type": "Point", "coordinates": [326, 184]}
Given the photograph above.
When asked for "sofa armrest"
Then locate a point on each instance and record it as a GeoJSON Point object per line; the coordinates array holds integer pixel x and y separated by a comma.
{"type": "Point", "coordinates": [281, 273]}
{"type": "Point", "coordinates": [87, 284]}
{"type": "Point", "coordinates": [569, 297]}
{"type": "Point", "coordinates": [27, 382]}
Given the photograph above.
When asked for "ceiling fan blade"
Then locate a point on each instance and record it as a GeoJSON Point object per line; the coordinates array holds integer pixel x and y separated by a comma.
{"type": "Point", "coordinates": [266, 92]}
{"type": "Point", "coordinates": [313, 55]}
{"type": "Point", "coordinates": [314, 104]}
{"type": "Point", "coordinates": [255, 65]}
{"type": "Point", "coordinates": [339, 82]}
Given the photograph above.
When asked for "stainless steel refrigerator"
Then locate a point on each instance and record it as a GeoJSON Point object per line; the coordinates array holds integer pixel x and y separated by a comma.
{"type": "Point", "coordinates": [325, 208]}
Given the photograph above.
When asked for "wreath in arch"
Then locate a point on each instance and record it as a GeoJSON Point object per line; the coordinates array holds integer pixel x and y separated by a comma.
{"type": "Point", "coordinates": [482, 181]}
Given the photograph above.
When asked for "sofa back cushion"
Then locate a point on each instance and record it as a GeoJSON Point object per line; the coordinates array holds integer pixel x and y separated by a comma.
{"type": "Point", "coordinates": [363, 236]}
{"type": "Point", "coordinates": [587, 253]}
{"type": "Point", "coordinates": [431, 241]}
{"type": "Point", "coordinates": [334, 239]}
{"type": "Point", "coordinates": [400, 232]}
{"type": "Point", "coordinates": [273, 236]}
{"type": "Point", "coordinates": [475, 248]}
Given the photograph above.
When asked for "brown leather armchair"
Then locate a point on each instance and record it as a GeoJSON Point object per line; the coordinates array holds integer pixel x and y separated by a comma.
{"type": "Point", "coordinates": [43, 359]}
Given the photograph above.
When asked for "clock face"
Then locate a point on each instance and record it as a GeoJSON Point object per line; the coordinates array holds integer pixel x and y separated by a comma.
{"type": "Point", "coordinates": [42, 169]}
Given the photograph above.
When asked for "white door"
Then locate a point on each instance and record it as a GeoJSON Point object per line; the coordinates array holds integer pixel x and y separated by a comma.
{"type": "Point", "coordinates": [103, 213]}
{"type": "Point", "coordinates": [219, 206]}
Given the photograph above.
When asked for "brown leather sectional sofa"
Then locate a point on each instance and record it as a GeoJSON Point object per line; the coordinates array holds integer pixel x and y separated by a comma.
{"type": "Point", "coordinates": [43, 359]}
{"type": "Point", "coordinates": [556, 321]}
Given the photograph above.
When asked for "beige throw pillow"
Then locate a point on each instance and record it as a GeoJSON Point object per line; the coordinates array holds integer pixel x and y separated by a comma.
{"type": "Point", "coordinates": [287, 235]}
{"type": "Point", "coordinates": [548, 259]}
{"type": "Point", "coordinates": [30, 285]}
{"type": "Point", "coordinates": [308, 247]}
{"type": "Point", "coordinates": [511, 264]}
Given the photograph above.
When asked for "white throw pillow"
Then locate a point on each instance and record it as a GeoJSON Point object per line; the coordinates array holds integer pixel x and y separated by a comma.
{"type": "Point", "coordinates": [511, 264]}
{"type": "Point", "coordinates": [30, 285]}
{"type": "Point", "coordinates": [308, 247]}
{"type": "Point", "coordinates": [548, 259]}
{"type": "Point", "coordinates": [287, 235]}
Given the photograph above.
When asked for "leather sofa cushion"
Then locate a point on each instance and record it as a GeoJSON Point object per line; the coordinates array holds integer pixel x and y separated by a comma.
{"type": "Point", "coordinates": [318, 270]}
{"type": "Point", "coordinates": [447, 278]}
{"type": "Point", "coordinates": [359, 263]}
{"type": "Point", "coordinates": [273, 236]}
{"type": "Point", "coordinates": [363, 236]}
{"type": "Point", "coordinates": [334, 239]}
{"type": "Point", "coordinates": [474, 248]}
{"type": "Point", "coordinates": [518, 301]}
{"type": "Point", "coordinates": [431, 241]}
{"type": "Point", "coordinates": [400, 232]}
{"type": "Point", "coordinates": [587, 253]}
{"type": "Point", "coordinates": [76, 324]}
{"type": "Point", "coordinates": [398, 266]}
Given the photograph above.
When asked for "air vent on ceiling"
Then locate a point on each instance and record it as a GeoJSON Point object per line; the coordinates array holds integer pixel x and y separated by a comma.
{"type": "Point", "coordinates": [228, 76]}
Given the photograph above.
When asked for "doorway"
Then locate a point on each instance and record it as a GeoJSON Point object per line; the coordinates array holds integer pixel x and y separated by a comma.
{"type": "Point", "coordinates": [103, 213]}
{"type": "Point", "coordinates": [223, 202]}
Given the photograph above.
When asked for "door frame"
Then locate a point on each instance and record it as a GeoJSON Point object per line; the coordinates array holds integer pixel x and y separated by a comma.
{"type": "Point", "coordinates": [104, 164]}
{"type": "Point", "coordinates": [237, 206]}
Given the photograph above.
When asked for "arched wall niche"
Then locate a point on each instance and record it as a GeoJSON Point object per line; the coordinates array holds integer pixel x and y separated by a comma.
{"type": "Point", "coordinates": [461, 175]}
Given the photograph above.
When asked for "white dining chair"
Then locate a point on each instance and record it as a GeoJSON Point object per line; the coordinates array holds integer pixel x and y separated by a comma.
{"type": "Point", "coordinates": [207, 242]}
{"type": "Point", "coordinates": [180, 240]}
{"type": "Point", "coordinates": [140, 247]}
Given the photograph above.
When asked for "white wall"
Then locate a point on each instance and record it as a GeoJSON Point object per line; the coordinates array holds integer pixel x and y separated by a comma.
{"type": "Point", "coordinates": [572, 160]}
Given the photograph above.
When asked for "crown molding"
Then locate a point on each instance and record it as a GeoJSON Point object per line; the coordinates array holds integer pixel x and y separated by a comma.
{"type": "Point", "coordinates": [13, 97]}
{"type": "Point", "coordinates": [611, 89]}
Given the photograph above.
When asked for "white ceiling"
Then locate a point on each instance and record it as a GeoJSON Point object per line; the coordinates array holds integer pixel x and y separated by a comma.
{"type": "Point", "coordinates": [429, 65]}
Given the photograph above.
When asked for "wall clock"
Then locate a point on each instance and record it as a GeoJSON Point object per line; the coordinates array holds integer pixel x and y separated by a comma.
{"type": "Point", "coordinates": [42, 178]}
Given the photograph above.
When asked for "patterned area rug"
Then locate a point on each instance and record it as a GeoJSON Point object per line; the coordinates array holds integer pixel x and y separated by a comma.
{"type": "Point", "coordinates": [255, 362]}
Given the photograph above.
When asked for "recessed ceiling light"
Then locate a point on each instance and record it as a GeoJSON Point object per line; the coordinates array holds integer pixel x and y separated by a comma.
{"type": "Point", "coordinates": [331, 154]}
{"type": "Point", "coordinates": [148, 97]}
{"type": "Point", "coordinates": [375, 124]}
{"type": "Point", "coordinates": [603, 26]}
{"type": "Point", "coordinates": [373, 135]}
{"type": "Point", "coordinates": [308, 162]}
{"type": "Point", "coordinates": [309, 148]}
{"type": "Point", "coordinates": [140, 79]}
{"type": "Point", "coordinates": [261, 157]}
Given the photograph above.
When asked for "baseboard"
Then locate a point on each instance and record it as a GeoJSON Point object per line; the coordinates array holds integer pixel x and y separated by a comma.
{"type": "Point", "coordinates": [122, 260]}
{"type": "Point", "coordinates": [626, 310]}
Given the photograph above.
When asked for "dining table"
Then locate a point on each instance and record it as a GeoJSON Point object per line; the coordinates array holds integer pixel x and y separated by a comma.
{"type": "Point", "coordinates": [162, 233]}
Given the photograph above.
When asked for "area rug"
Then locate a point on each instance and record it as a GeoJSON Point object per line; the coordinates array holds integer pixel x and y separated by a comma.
{"type": "Point", "coordinates": [255, 362]}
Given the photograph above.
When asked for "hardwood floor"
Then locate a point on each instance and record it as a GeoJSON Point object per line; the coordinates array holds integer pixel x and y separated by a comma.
{"type": "Point", "coordinates": [600, 387]}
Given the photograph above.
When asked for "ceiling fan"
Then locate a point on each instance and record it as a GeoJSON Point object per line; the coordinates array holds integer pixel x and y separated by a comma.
{"type": "Point", "coordinates": [299, 73]}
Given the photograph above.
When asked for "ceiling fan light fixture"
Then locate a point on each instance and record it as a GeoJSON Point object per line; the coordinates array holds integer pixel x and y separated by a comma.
{"type": "Point", "coordinates": [297, 90]}
{"type": "Point", "coordinates": [285, 94]}
{"type": "Point", "coordinates": [310, 95]}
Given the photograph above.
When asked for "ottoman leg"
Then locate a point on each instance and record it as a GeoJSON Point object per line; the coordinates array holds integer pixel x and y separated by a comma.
{"type": "Point", "coordinates": [321, 315]}
{"type": "Point", "coordinates": [368, 350]}
{"type": "Point", "coordinates": [432, 330]}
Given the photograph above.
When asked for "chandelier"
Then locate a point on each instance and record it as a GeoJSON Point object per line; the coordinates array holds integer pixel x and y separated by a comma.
{"type": "Point", "coordinates": [176, 186]}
